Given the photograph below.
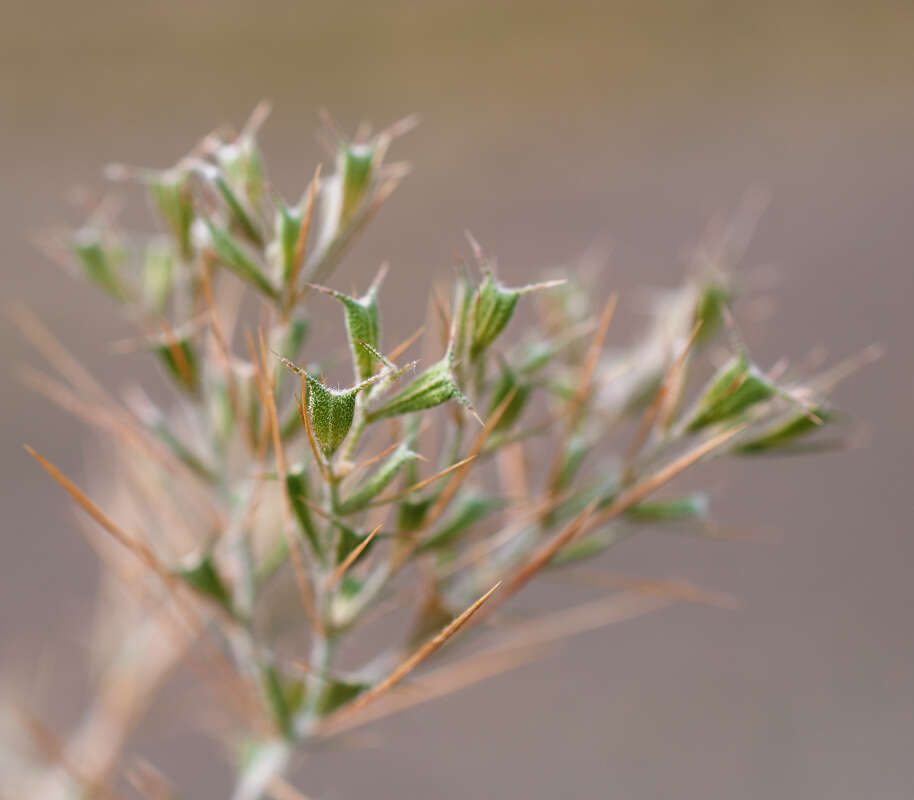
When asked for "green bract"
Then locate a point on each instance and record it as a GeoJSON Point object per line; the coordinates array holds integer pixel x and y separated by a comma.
{"type": "Point", "coordinates": [362, 325]}
{"type": "Point", "coordinates": [434, 386]}
{"type": "Point", "coordinates": [680, 508]}
{"type": "Point", "coordinates": [354, 165]}
{"type": "Point", "coordinates": [180, 359]}
{"type": "Point", "coordinates": [158, 274]}
{"type": "Point", "coordinates": [288, 225]}
{"type": "Point", "coordinates": [172, 197]}
{"type": "Point", "coordinates": [785, 433]}
{"type": "Point", "coordinates": [203, 577]}
{"type": "Point", "coordinates": [101, 261]}
{"type": "Point", "coordinates": [233, 256]}
{"type": "Point", "coordinates": [709, 311]}
{"type": "Point", "coordinates": [735, 388]}
{"type": "Point", "coordinates": [469, 509]}
{"type": "Point", "coordinates": [493, 306]}
{"type": "Point", "coordinates": [372, 486]}
{"type": "Point", "coordinates": [242, 167]}
{"type": "Point", "coordinates": [506, 384]}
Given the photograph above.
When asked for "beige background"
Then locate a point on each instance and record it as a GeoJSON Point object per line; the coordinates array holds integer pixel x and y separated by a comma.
{"type": "Point", "coordinates": [546, 127]}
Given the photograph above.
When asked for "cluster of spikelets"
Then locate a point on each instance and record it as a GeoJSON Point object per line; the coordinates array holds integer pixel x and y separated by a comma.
{"type": "Point", "coordinates": [432, 489]}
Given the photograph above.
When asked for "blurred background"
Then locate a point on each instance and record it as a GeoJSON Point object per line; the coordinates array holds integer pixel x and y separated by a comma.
{"type": "Point", "coordinates": [547, 128]}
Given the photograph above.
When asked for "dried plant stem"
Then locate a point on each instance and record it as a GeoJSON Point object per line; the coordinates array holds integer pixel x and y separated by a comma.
{"type": "Point", "coordinates": [407, 666]}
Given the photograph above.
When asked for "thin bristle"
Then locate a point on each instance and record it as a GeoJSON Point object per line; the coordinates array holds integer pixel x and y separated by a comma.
{"type": "Point", "coordinates": [524, 642]}
{"type": "Point", "coordinates": [401, 348]}
{"type": "Point", "coordinates": [653, 410]}
{"type": "Point", "coordinates": [298, 255]}
{"type": "Point", "coordinates": [596, 346]}
{"type": "Point", "coordinates": [454, 484]}
{"type": "Point", "coordinates": [407, 666]}
{"type": "Point", "coordinates": [341, 570]}
{"type": "Point", "coordinates": [139, 549]}
{"type": "Point", "coordinates": [423, 483]}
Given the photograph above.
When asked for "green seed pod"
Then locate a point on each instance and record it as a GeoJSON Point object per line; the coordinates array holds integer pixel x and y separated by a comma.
{"type": "Point", "coordinates": [236, 259]}
{"type": "Point", "coordinates": [785, 433]}
{"type": "Point", "coordinates": [493, 307]}
{"type": "Point", "coordinates": [362, 325]}
{"type": "Point", "coordinates": [735, 388]}
{"type": "Point", "coordinates": [372, 486]}
{"type": "Point", "coordinates": [101, 260]}
{"type": "Point", "coordinates": [330, 412]}
{"type": "Point", "coordinates": [171, 195]}
{"type": "Point", "coordinates": [434, 386]}
{"type": "Point", "coordinates": [158, 274]}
